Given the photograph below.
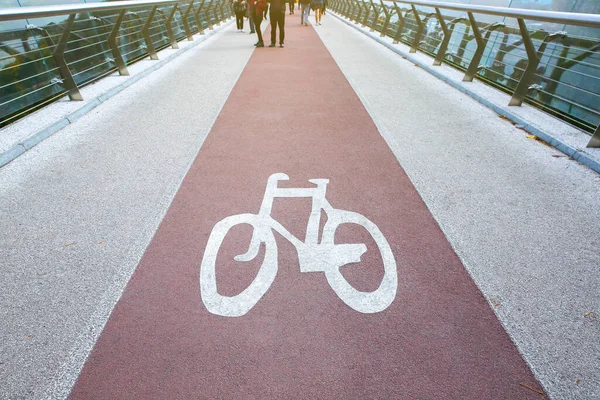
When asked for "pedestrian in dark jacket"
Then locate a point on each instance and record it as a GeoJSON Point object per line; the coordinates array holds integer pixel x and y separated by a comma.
{"type": "Point", "coordinates": [277, 15]}
{"type": "Point", "coordinates": [250, 20]}
{"type": "Point", "coordinates": [240, 9]}
{"type": "Point", "coordinates": [257, 9]}
{"type": "Point", "coordinates": [291, 4]}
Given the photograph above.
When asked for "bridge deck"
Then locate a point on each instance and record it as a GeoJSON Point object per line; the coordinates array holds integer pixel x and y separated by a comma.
{"type": "Point", "coordinates": [470, 208]}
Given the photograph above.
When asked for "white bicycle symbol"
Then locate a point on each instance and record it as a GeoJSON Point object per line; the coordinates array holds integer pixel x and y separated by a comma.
{"type": "Point", "coordinates": [325, 257]}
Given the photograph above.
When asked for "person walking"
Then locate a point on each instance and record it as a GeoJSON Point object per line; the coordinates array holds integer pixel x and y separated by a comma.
{"type": "Point", "coordinates": [240, 8]}
{"type": "Point", "coordinates": [277, 16]}
{"type": "Point", "coordinates": [317, 6]}
{"type": "Point", "coordinates": [291, 3]}
{"type": "Point", "coordinates": [250, 20]}
{"type": "Point", "coordinates": [257, 8]}
{"type": "Point", "coordinates": [304, 12]}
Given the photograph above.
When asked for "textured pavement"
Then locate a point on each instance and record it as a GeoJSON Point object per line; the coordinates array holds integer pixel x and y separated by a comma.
{"type": "Point", "coordinates": [78, 212]}
{"type": "Point", "coordinates": [437, 338]}
{"type": "Point", "coordinates": [523, 218]}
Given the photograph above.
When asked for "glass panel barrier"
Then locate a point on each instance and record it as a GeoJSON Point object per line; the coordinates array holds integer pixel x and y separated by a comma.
{"type": "Point", "coordinates": [30, 76]}
{"type": "Point", "coordinates": [565, 82]}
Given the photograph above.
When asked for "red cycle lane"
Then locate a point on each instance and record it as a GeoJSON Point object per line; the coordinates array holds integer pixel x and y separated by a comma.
{"type": "Point", "coordinates": [293, 112]}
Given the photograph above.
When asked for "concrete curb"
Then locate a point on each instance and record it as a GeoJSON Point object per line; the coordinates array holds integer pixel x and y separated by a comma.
{"type": "Point", "coordinates": [20, 148]}
{"type": "Point", "coordinates": [565, 148]}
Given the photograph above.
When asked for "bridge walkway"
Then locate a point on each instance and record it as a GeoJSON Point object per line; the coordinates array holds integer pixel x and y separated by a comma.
{"type": "Point", "coordinates": [481, 244]}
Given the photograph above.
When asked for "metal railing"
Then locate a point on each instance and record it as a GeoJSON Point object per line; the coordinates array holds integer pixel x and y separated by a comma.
{"type": "Point", "coordinates": [49, 51]}
{"type": "Point", "coordinates": [558, 72]}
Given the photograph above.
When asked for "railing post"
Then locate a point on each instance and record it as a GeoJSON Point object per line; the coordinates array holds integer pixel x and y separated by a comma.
{"type": "Point", "coordinates": [146, 33]}
{"type": "Point", "coordinates": [219, 12]}
{"type": "Point", "coordinates": [556, 35]}
{"type": "Point", "coordinates": [439, 57]}
{"type": "Point", "coordinates": [208, 16]}
{"type": "Point", "coordinates": [172, 38]}
{"type": "Point", "coordinates": [523, 86]}
{"type": "Point", "coordinates": [197, 16]}
{"type": "Point", "coordinates": [112, 43]}
{"type": "Point", "coordinates": [401, 21]}
{"type": "Point", "coordinates": [595, 140]}
{"type": "Point", "coordinates": [367, 13]}
{"type": "Point", "coordinates": [375, 16]}
{"type": "Point", "coordinates": [346, 8]}
{"type": "Point", "coordinates": [474, 64]}
{"type": "Point", "coordinates": [230, 13]}
{"type": "Point", "coordinates": [542, 49]}
{"type": "Point", "coordinates": [353, 11]}
{"type": "Point", "coordinates": [221, 8]}
{"type": "Point", "coordinates": [63, 68]}
{"type": "Point", "coordinates": [419, 34]}
{"type": "Point", "coordinates": [186, 24]}
{"type": "Point", "coordinates": [216, 11]}
{"type": "Point", "coordinates": [388, 16]}
{"type": "Point", "coordinates": [360, 12]}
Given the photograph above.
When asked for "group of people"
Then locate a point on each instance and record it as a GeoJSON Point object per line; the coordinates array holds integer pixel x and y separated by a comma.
{"type": "Point", "coordinates": [257, 10]}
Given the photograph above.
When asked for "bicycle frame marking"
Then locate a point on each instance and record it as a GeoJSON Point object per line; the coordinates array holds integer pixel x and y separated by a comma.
{"type": "Point", "coordinates": [313, 256]}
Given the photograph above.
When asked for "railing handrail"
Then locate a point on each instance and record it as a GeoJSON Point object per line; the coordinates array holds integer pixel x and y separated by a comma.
{"type": "Point", "coordinates": [17, 13]}
{"type": "Point", "coordinates": [567, 18]}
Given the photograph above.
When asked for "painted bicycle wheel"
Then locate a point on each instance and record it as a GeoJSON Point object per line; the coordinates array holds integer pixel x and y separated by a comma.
{"type": "Point", "coordinates": [240, 304]}
{"type": "Point", "coordinates": [365, 302]}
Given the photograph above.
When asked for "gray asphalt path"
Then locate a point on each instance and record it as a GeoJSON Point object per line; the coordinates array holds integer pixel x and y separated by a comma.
{"type": "Point", "coordinates": [524, 219]}
{"type": "Point", "coordinates": [78, 210]}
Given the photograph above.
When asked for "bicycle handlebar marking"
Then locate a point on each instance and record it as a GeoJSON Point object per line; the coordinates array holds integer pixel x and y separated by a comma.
{"type": "Point", "coordinates": [326, 257]}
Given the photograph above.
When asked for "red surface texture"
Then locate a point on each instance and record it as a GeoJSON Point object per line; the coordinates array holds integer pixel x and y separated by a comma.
{"type": "Point", "coordinates": [293, 111]}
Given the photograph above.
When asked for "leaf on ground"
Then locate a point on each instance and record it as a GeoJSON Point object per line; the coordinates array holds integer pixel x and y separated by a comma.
{"type": "Point", "coordinates": [530, 388]}
{"type": "Point", "coordinates": [100, 242]}
{"type": "Point", "coordinates": [69, 244]}
{"type": "Point", "coordinates": [531, 137]}
{"type": "Point", "coordinates": [578, 381]}
{"type": "Point", "coordinates": [557, 156]}
{"type": "Point", "coordinates": [587, 314]}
